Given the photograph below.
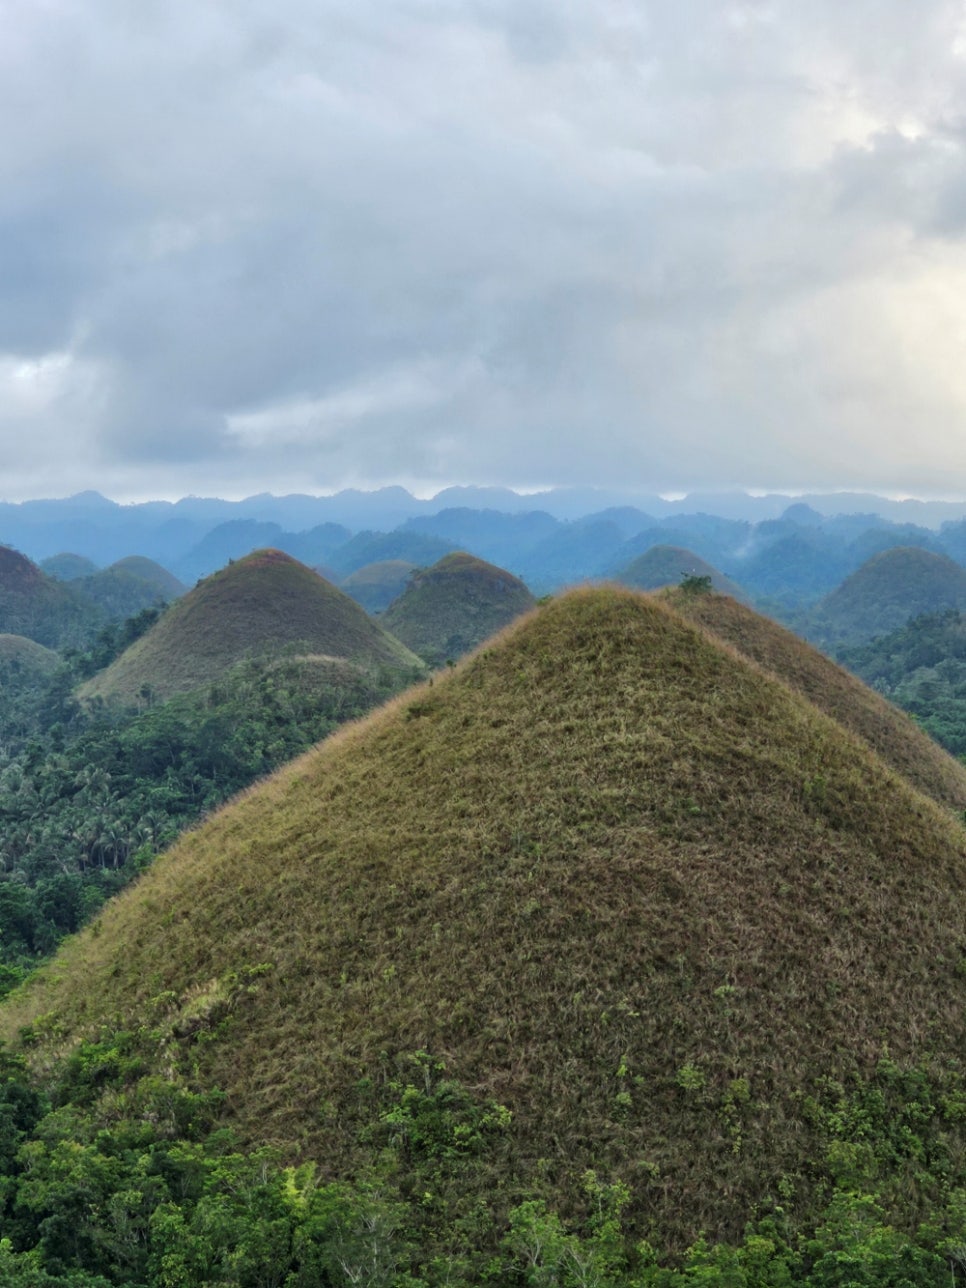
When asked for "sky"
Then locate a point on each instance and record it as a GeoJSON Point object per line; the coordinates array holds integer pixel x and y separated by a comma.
{"type": "Point", "coordinates": [299, 245]}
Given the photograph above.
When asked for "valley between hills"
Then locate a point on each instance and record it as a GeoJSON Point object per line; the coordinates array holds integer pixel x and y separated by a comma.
{"type": "Point", "coordinates": [487, 897]}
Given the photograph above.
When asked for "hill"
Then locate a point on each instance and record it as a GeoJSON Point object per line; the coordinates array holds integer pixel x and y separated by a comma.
{"type": "Point", "coordinates": [886, 592]}
{"type": "Point", "coordinates": [68, 567]}
{"type": "Point", "coordinates": [448, 609]}
{"type": "Point", "coordinates": [38, 606]}
{"type": "Point", "coordinates": [668, 565]}
{"type": "Point", "coordinates": [128, 586]}
{"type": "Point", "coordinates": [616, 877]}
{"type": "Point", "coordinates": [260, 604]}
{"type": "Point", "coordinates": [376, 585]}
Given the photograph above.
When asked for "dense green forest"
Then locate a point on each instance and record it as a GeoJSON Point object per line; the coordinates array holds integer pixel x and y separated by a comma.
{"type": "Point", "coordinates": [89, 793]}
{"type": "Point", "coordinates": [922, 668]}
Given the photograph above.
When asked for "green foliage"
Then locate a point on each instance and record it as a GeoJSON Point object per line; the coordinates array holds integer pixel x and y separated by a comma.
{"type": "Point", "coordinates": [435, 1118]}
{"type": "Point", "coordinates": [922, 668]}
{"type": "Point", "coordinates": [694, 585]}
{"type": "Point", "coordinates": [103, 1194]}
{"type": "Point", "coordinates": [88, 796]}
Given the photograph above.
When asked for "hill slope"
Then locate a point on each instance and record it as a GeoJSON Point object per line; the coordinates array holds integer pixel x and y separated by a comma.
{"type": "Point", "coordinates": [619, 878]}
{"type": "Point", "coordinates": [448, 609]}
{"type": "Point", "coordinates": [259, 604]}
{"type": "Point", "coordinates": [886, 592]}
{"type": "Point", "coordinates": [38, 606]}
{"type": "Point", "coordinates": [889, 732]}
{"type": "Point", "coordinates": [24, 663]}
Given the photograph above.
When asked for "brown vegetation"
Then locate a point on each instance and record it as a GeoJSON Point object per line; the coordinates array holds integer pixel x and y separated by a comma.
{"type": "Point", "coordinates": [620, 878]}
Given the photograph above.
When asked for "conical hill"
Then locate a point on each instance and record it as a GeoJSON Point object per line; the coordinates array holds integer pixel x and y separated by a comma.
{"type": "Point", "coordinates": [890, 732]}
{"type": "Point", "coordinates": [886, 592]}
{"type": "Point", "coordinates": [130, 585]}
{"type": "Point", "coordinates": [616, 876]}
{"type": "Point", "coordinates": [256, 606]}
{"type": "Point", "coordinates": [668, 566]}
{"type": "Point", "coordinates": [459, 602]}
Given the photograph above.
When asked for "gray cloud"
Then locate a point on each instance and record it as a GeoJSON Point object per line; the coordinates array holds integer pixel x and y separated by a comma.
{"type": "Point", "coordinates": [497, 241]}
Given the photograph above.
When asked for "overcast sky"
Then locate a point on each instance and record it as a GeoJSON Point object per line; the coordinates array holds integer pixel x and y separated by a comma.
{"type": "Point", "coordinates": [295, 245]}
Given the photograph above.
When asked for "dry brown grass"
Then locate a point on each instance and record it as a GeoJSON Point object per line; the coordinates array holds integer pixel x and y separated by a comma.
{"type": "Point", "coordinates": [897, 739]}
{"type": "Point", "coordinates": [255, 606]}
{"type": "Point", "coordinates": [604, 869]}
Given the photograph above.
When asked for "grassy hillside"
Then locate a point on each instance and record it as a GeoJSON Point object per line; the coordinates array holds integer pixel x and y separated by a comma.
{"type": "Point", "coordinates": [16, 651]}
{"type": "Point", "coordinates": [622, 881]}
{"type": "Point", "coordinates": [886, 592]}
{"type": "Point", "coordinates": [668, 566]}
{"type": "Point", "coordinates": [260, 604]}
{"type": "Point", "coordinates": [895, 737]}
{"type": "Point", "coordinates": [448, 609]}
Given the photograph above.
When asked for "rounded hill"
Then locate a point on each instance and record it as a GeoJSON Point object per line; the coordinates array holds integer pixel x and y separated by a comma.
{"type": "Point", "coordinates": [670, 565]}
{"type": "Point", "coordinates": [130, 585]}
{"type": "Point", "coordinates": [258, 605]}
{"type": "Point", "coordinates": [459, 602]}
{"type": "Point", "coordinates": [886, 592]}
{"type": "Point", "coordinates": [68, 567]}
{"type": "Point", "coordinates": [618, 877]}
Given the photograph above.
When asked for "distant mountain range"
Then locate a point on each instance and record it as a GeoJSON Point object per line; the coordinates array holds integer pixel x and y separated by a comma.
{"type": "Point", "coordinates": [176, 534]}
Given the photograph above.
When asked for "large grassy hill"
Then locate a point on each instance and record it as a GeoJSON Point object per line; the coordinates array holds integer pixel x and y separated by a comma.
{"type": "Point", "coordinates": [621, 880]}
{"type": "Point", "coordinates": [260, 604]}
{"type": "Point", "coordinates": [448, 609]}
{"type": "Point", "coordinates": [886, 592]}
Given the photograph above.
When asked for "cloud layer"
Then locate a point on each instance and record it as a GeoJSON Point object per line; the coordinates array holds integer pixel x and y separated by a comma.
{"type": "Point", "coordinates": [317, 243]}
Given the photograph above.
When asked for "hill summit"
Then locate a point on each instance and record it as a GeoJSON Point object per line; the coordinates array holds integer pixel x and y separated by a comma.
{"type": "Point", "coordinates": [448, 609]}
{"type": "Point", "coordinates": [256, 606]}
{"type": "Point", "coordinates": [615, 875]}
